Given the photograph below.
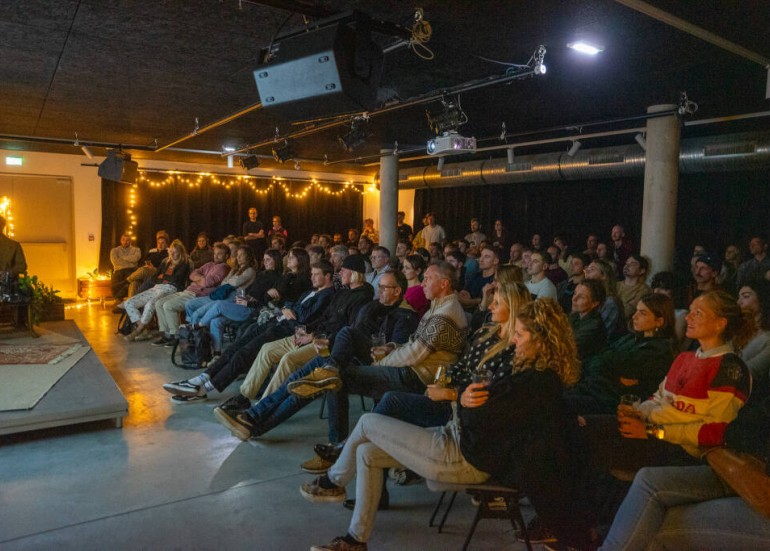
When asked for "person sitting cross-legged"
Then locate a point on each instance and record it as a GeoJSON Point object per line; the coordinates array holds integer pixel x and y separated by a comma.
{"type": "Point", "coordinates": [515, 429]}
{"type": "Point", "coordinates": [410, 367]}
{"type": "Point", "coordinates": [238, 357]}
{"type": "Point", "coordinates": [389, 316]}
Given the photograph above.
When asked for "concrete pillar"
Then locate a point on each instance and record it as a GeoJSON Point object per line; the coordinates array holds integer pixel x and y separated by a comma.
{"type": "Point", "coordinates": [661, 182]}
{"type": "Point", "coordinates": [388, 199]}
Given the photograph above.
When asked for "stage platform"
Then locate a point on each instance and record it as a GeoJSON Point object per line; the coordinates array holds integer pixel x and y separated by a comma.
{"type": "Point", "coordinates": [85, 393]}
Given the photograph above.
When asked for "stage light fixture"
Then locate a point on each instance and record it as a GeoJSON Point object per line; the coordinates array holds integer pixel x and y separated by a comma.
{"type": "Point", "coordinates": [248, 162]}
{"type": "Point", "coordinates": [356, 136]}
{"type": "Point", "coordinates": [576, 145]}
{"type": "Point", "coordinates": [641, 141]}
{"type": "Point", "coordinates": [449, 118]}
{"type": "Point", "coordinates": [585, 47]}
{"type": "Point", "coordinates": [87, 151]}
{"type": "Point", "coordinates": [285, 152]}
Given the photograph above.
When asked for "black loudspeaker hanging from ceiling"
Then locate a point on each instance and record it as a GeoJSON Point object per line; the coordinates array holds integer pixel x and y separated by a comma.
{"type": "Point", "coordinates": [118, 167]}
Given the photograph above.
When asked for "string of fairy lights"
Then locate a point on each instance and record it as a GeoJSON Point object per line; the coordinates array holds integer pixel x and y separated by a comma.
{"type": "Point", "coordinates": [259, 185]}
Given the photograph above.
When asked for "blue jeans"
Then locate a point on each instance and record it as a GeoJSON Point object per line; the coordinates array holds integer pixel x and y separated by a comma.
{"type": "Point", "coordinates": [272, 410]}
{"type": "Point", "coordinates": [416, 409]}
{"type": "Point", "coordinates": [380, 442]}
{"type": "Point", "coordinates": [217, 314]}
{"type": "Point", "coordinates": [194, 305]}
{"type": "Point", "coordinates": [685, 508]}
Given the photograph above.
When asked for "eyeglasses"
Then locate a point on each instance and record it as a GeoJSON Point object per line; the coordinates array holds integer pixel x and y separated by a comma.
{"type": "Point", "coordinates": [381, 287]}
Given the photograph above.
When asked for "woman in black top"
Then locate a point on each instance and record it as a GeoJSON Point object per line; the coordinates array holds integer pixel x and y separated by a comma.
{"type": "Point", "coordinates": [516, 429]}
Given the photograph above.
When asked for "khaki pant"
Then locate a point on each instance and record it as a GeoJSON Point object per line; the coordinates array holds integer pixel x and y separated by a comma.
{"type": "Point", "coordinates": [168, 309]}
{"type": "Point", "coordinates": [283, 352]}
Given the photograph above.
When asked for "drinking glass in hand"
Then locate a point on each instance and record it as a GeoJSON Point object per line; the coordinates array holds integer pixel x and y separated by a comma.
{"type": "Point", "coordinates": [629, 405]}
{"type": "Point", "coordinates": [443, 378]}
{"type": "Point", "coordinates": [483, 376]}
{"type": "Point", "coordinates": [378, 346]}
{"type": "Point", "coordinates": [321, 343]}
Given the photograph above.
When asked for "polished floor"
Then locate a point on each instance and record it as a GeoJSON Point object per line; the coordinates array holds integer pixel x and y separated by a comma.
{"type": "Point", "coordinates": [173, 478]}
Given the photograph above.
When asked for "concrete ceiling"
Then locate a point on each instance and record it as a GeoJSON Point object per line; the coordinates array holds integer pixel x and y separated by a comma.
{"type": "Point", "coordinates": [137, 71]}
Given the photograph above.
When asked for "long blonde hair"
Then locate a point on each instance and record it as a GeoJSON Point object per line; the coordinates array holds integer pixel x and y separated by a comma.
{"type": "Point", "coordinates": [552, 334]}
{"type": "Point", "coordinates": [514, 295]}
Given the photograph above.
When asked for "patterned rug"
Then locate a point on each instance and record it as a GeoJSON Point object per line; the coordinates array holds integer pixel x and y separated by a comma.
{"type": "Point", "coordinates": [19, 354]}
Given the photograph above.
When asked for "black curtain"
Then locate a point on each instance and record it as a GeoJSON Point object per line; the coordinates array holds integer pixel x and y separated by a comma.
{"type": "Point", "coordinates": [713, 209]}
{"type": "Point", "coordinates": [184, 210]}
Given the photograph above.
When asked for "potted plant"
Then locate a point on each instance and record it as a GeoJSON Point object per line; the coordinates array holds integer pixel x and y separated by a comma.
{"type": "Point", "coordinates": [46, 305]}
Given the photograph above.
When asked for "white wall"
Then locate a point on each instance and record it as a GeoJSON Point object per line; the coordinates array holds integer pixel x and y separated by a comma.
{"type": "Point", "coordinates": [372, 206]}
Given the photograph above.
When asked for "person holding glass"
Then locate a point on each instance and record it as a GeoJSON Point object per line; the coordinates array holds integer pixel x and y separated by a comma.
{"type": "Point", "coordinates": [517, 430]}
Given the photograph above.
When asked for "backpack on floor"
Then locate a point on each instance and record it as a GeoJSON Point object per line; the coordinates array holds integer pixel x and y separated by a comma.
{"type": "Point", "coordinates": [194, 347]}
{"type": "Point", "coordinates": [124, 325]}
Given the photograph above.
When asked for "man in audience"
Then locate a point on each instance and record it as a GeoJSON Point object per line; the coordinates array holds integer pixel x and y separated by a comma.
{"type": "Point", "coordinates": [553, 271]}
{"type": "Point", "coordinates": [539, 285]}
{"type": "Point", "coordinates": [633, 286]}
{"type": "Point", "coordinates": [337, 239]}
{"type": "Point", "coordinates": [758, 265]}
{"type": "Point", "coordinates": [585, 319]}
{"type": "Point", "coordinates": [390, 316]}
{"type": "Point", "coordinates": [470, 296]}
{"type": "Point", "coordinates": [380, 260]}
{"type": "Point", "coordinates": [433, 233]}
{"type": "Point", "coordinates": [315, 252]}
{"type": "Point", "coordinates": [152, 260]}
{"type": "Point", "coordinates": [705, 271]}
{"type": "Point", "coordinates": [124, 260]}
{"type": "Point", "coordinates": [404, 230]}
{"type": "Point", "coordinates": [337, 254]}
{"type": "Point", "coordinates": [204, 280]}
{"type": "Point", "coordinates": [236, 359]}
{"type": "Point", "coordinates": [476, 236]}
{"type": "Point", "coordinates": [457, 260]}
{"type": "Point", "coordinates": [254, 233]}
{"type": "Point", "coordinates": [436, 252]}
{"type": "Point", "coordinates": [516, 255]}
{"type": "Point", "coordinates": [566, 289]}
{"type": "Point", "coordinates": [410, 367]}
{"type": "Point", "coordinates": [592, 242]}
{"type": "Point", "coordinates": [536, 243]}
{"type": "Point", "coordinates": [352, 237]}
{"type": "Point", "coordinates": [278, 229]}
{"type": "Point", "coordinates": [365, 246]}
{"type": "Point", "coordinates": [621, 248]}
{"type": "Point", "coordinates": [402, 251]}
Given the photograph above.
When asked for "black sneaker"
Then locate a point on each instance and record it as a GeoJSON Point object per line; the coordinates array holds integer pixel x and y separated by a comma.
{"type": "Point", "coordinates": [235, 404]}
{"type": "Point", "coordinates": [239, 424]}
{"type": "Point", "coordinates": [170, 342]}
{"type": "Point", "coordinates": [160, 342]}
{"type": "Point", "coordinates": [329, 452]}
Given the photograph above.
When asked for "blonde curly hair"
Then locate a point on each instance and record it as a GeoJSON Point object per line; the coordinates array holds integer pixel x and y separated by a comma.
{"type": "Point", "coordinates": [552, 335]}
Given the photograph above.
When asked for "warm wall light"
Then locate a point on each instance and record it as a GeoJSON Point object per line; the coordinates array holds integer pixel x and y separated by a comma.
{"type": "Point", "coordinates": [585, 47]}
{"type": "Point", "coordinates": [14, 161]}
{"type": "Point", "coordinates": [576, 145]}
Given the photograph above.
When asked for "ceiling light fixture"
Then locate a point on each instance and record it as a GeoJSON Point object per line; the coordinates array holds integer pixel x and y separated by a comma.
{"type": "Point", "coordinates": [450, 118]}
{"type": "Point", "coordinates": [285, 152]}
{"type": "Point", "coordinates": [86, 150]}
{"type": "Point", "coordinates": [576, 145]}
{"type": "Point", "coordinates": [641, 141]}
{"type": "Point", "coordinates": [356, 136]}
{"type": "Point", "coordinates": [585, 47]}
{"type": "Point", "coordinates": [248, 162]}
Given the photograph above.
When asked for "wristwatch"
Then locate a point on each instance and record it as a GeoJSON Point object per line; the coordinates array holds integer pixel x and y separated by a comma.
{"type": "Point", "coordinates": [655, 431]}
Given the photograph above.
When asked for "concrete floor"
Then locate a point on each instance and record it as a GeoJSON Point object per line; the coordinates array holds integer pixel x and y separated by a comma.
{"type": "Point", "coordinates": [174, 478]}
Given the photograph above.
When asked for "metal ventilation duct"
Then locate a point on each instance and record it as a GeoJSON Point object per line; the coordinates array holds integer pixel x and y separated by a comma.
{"type": "Point", "coordinates": [725, 153]}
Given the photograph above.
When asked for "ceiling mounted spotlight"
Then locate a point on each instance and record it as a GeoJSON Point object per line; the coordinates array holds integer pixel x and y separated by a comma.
{"type": "Point", "coordinates": [576, 145]}
{"type": "Point", "coordinates": [356, 136]}
{"type": "Point", "coordinates": [641, 141]}
{"type": "Point", "coordinates": [248, 162]}
{"type": "Point", "coordinates": [297, 165]}
{"type": "Point", "coordinates": [450, 118]}
{"type": "Point", "coordinates": [509, 153]}
{"type": "Point", "coordinates": [585, 47]}
{"type": "Point", "coordinates": [285, 152]}
{"type": "Point", "coordinates": [87, 151]}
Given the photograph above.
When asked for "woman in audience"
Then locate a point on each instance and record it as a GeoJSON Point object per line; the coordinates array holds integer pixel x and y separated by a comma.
{"type": "Point", "coordinates": [505, 275]}
{"type": "Point", "coordinates": [729, 272]}
{"type": "Point", "coordinates": [702, 392]}
{"type": "Point", "coordinates": [240, 308]}
{"type": "Point", "coordinates": [611, 310]}
{"type": "Point", "coordinates": [754, 298]}
{"type": "Point", "coordinates": [499, 237]}
{"type": "Point", "coordinates": [665, 283]}
{"type": "Point", "coordinates": [414, 266]}
{"type": "Point", "coordinates": [171, 277]}
{"type": "Point", "coordinates": [603, 253]}
{"type": "Point", "coordinates": [202, 252]}
{"type": "Point", "coordinates": [296, 279]}
{"type": "Point", "coordinates": [240, 277]}
{"type": "Point", "coordinates": [586, 322]}
{"type": "Point", "coordinates": [633, 364]}
{"type": "Point", "coordinates": [515, 428]}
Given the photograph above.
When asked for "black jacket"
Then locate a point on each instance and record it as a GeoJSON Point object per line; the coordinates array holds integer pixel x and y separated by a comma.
{"type": "Point", "coordinates": [342, 311]}
{"type": "Point", "coordinates": [397, 322]}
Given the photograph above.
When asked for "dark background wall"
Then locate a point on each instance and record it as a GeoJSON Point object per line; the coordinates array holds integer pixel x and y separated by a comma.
{"type": "Point", "coordinates": [713, 209]}
{"type": "Point", "coordinates": [184, 211]}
